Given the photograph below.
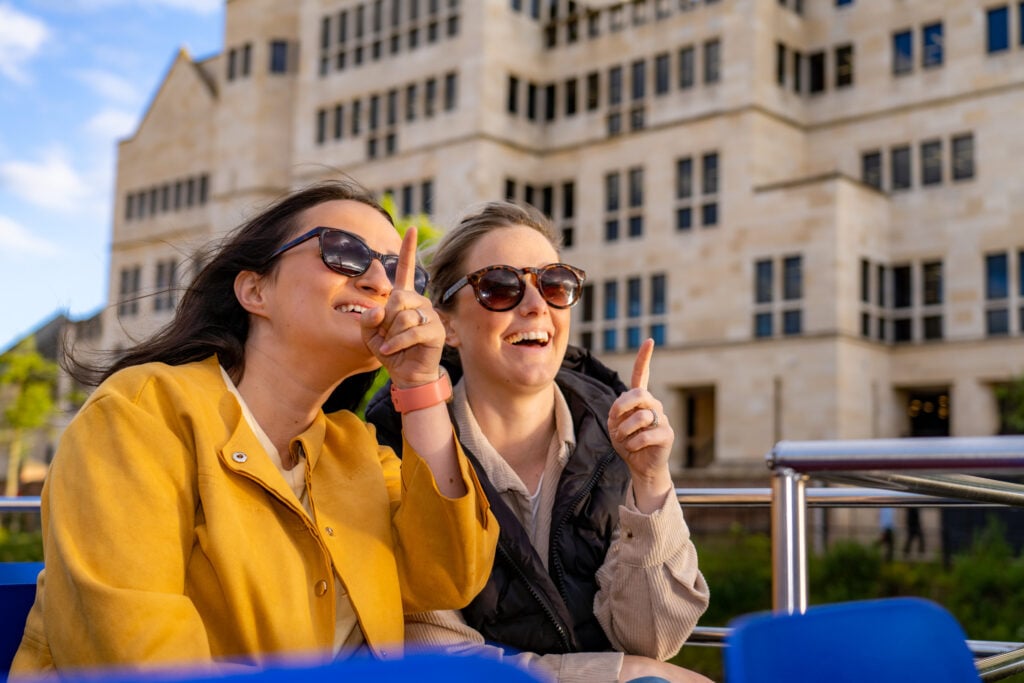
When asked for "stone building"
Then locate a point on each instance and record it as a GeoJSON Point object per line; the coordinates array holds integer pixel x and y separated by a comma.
{"type": "Point", "coordinates": [809, 204]}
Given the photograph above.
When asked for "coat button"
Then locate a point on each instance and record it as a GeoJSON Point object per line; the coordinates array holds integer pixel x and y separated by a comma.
{"type": "Point", "coordinates": [239, 456]}
{"type": "Point", "coordinates": [321, 588]}
{"type": "Point", "coordinates": [329, 530]}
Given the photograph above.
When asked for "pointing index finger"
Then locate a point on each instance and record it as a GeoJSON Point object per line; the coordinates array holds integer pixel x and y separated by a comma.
{"type": "Point", "coordinates": [642, 365]}
{"type": "Point", "coordinates": [406, 268]}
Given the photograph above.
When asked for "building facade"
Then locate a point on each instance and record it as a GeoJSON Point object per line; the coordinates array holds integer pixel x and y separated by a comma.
{"type": "Point", "coordinates": [811, 205]}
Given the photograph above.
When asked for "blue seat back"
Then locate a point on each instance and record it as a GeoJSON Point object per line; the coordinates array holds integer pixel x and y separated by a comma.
{"type": "Point", "coordinates": [880, 641]}
{"type": "Point", "coordinates": [17, 593]}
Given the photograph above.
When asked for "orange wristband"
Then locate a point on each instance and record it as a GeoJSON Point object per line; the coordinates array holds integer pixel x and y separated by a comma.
{"type": "Point", "coordinates": [423, 396]}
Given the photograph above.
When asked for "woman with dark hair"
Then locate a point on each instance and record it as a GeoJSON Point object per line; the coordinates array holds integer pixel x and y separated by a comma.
{"type": "Point", "coordinates": [202, 510]}
{"type": "Point", "coordinates": [596, 577]}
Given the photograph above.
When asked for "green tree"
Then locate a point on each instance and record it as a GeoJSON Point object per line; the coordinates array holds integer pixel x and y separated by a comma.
{"type": "Point", "coordinates": [1011, 406]}
{"type": "Point", "coordinates": [27, 382]}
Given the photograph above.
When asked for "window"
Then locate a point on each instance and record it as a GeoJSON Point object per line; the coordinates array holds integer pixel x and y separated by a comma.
{"type": "Point", "coordinates": [932, 283]}
{"type": "Point", "coordinates": [816, 64]}
{"type": "Point", "coordinates": [658, 294]}
{"type": "Point", "coordinates": [798, 70]}
{"type": "Point", "coordinates": [997, 284]}
{"type": "Point", "coordinates": [633, 297]}
{"type": "Point", "coordinates": [166, 280]}
{"type": "Point", "coordinates": [430, 97]}
{"type": "Point", "coordinates": [407, 209]}
{"type": "Point", "coordinates": [792, 278]}
{"type": "Point", "coordinates": [232, 59]}
{"type": "Point", "coordinates": [612, 205]}
{"type": "Point", "coordinates": [614, 86]}
{"type": "Point", "coordinates": [684, 178]}
{"type": "Point", "coordinates": [963, 157]}
{"type": "Point", "coordinates": [357, 116]}
{"type": "Point", "coordinates": [871, 169]}
{"type": "Point", "coordinates": [931, 162]}
{"type": "Point", "coordinates": [763, 278]}
{"type": "Point", "coordinates": [844, 66]}
{"type": "Point", "coordinates": [321, 126]}
{"type": "Point", "coordinates": [902, 52]}
{"type": "Point", "coordinates": [611, 299]}
{"type": "Point", "coordinates": [570, 97]}
{"type": "Point", "coordinates": [550, 102]}
{"type": "Point", "coordinates": [374, 114]}
{"type": "Point", "coordinates": [246, 59]}
{"type": "Point", "coordinates": [636, 200]}
{"type": "Point", "coordinates": [128, 302]}
{"type": "Point", "coordinates": [900, 160]}
{"type": "Point", "coordinates": [411, 97]}
{"type": "Point", "coordinates": [451, 91]}
{"type": "Point", "coordinates": [639, 79]}
{"type": "Point", "coordinates": [763, 325]}
{"type": "Point", "coordinates": [792, 322]}
{"type": "Point", "coordinates": [686, 68]}
{"type": "Point", "coordinates": [998, 29]}
{"type": "Point", "coordinates": [427, 197]}
{"type": "Point", "coordinates": [997, 290]}
{"type": "Point", "coordinates": [278, 57]}
{"type": "Point", "coordinates": [593, 90]}
{"type": "Point", "coordinates": [513, 95]}
{"type": "Point", "coordinates": [531, 101]}
{"type": "Point", "coordinates": [841, 3]}
{"type": "Point", "coordinates": [661, 75]}
{"type": "Point", "coordinates": [780, 63]}
{"type": "Point", "coordinates": [931, 45]}
{"type": "Point", "coordinates": [902, 287]}
{"type": "Point", "coordinates": [709, 177]}
{"type": "Point", "coordinates": [712, 59]}
{"type": "Point", "coordinates": [865, 281]}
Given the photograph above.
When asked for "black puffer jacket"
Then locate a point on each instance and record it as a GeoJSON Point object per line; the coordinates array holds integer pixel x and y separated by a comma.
{"type": "Point", "coordinates": [523, 607]}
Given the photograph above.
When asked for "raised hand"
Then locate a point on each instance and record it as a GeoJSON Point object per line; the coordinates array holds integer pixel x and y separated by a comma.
{"type": "Point", "coordinates": [405, 335]}
{"type": "Point", "coordinates": [641, 434]}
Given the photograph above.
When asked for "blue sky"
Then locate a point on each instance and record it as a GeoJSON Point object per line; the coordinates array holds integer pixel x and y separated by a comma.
{"type": "Point", "coordinates": [75, 77]}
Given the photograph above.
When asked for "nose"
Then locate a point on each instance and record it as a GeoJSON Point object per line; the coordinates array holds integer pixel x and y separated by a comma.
{"type": "Point", "coordinates": [533, 303]}
{"type": "Point", "coordinates": [375, 279]}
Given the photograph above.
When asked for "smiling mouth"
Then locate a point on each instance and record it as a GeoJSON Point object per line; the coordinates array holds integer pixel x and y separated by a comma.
{"type": "Point", "coordinates": [351, 308]}
{"type": "Point", "coordinates": [535, 339]}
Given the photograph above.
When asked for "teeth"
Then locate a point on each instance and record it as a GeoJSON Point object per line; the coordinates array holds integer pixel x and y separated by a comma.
{"type": "Point", "coordinates": [528, 336]}
{"type": "Point", "coordinates": [348, 308]}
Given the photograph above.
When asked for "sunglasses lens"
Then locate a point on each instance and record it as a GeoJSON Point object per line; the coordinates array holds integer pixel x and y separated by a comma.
{"type": "Point", "coordinates": [559, 286]}
{"type": "Point", "coordinates": [344, 254]}
{"type": "Point", "coordinates": [499, 289]}
{"type": "Point", "coordinates": [420, 277]}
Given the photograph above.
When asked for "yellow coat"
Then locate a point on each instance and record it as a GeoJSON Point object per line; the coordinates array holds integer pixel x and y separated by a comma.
{"type": "Point", "coordinates": [170, 537]}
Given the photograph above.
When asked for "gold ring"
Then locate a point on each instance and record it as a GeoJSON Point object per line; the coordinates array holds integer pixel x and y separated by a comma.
{"type": "Point", "coordinates": [654, 419]}
{"type": "Point", "coordinates": [423, 316]}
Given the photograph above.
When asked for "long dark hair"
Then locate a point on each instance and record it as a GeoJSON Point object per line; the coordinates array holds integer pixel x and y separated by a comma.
{"type": "Point", "coordinates": [209, 320]}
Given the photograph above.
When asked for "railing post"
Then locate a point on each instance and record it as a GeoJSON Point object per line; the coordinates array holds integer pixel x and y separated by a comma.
{"type": "Point", "coordinates": [789, 542]}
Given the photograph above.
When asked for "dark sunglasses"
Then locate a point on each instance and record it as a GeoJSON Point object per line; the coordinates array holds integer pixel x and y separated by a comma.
{"type": "Point", "coordinates": [501, 288]}
{"type": "Point", "coordinates": [348, 254]}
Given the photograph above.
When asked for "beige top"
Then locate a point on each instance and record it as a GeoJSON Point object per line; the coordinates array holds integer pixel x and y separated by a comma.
{"type": "Point", "coordinates": [348, 637]}
{"type": "Point", "coordinates": [651, 592]}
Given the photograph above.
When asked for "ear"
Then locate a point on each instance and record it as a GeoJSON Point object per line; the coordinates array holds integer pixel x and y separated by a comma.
{"type": "Point", "coordinates": [249, 291]}
{"type": "Point", "coordinates": [451, 337]}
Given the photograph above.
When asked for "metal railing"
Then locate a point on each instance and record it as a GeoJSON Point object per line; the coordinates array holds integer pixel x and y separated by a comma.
{"type": "Point", "coordinates": [939, 467]}
{"type": "Point", "coordinates": [943, 472]}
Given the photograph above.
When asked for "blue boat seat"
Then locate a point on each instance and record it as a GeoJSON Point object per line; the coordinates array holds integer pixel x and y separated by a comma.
{"type": "Point", "coordinates": [17, 593]}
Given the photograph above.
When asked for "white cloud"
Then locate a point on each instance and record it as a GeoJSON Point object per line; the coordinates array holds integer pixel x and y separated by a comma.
{"type": "Point", "coordinates": [203, 7]}
{"type": "Point", "coordinates": [16, 239]}
{"type": "Point", "coordinates": [111, 86]}
{"type": "Point", "coordinates": [21, 36]}
{"type": "Point", "coordinates": [112, 124]}
{"type": "Point", "coordinates": [51, 183]}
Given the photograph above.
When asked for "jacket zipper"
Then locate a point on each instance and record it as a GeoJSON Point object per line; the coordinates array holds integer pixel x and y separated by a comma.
{"type": "Point", "coordinates": [541, 600]}
{"type": "Point", "coordinates": [556, 556]}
